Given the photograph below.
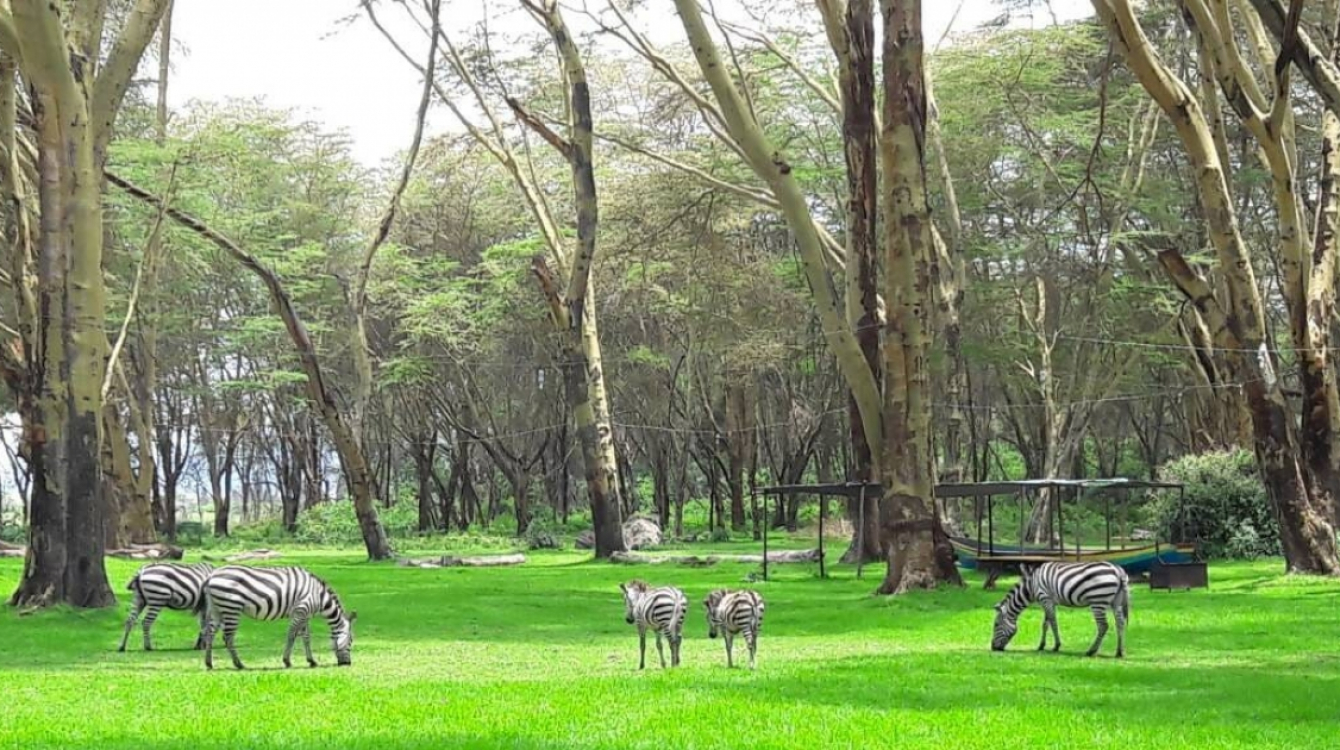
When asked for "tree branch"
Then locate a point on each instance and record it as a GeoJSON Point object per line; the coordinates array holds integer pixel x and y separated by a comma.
{"type": "Point", "coordinates": [114, 77]}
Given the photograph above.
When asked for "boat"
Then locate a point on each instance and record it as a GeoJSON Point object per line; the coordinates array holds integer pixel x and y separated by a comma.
{"type": "Point", "coordinates": [973, 553]}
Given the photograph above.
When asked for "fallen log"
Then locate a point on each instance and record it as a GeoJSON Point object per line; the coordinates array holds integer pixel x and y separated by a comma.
{"type": "Point", "coordinates": [152, 551]}
{"type": "Point", "coordinates": [785, 556]}
{"type": "Point", "coordinates": [12, 550]}
{"type": "Point", "coordinates": [259, 554]}
{"type": "Point", "coordinates": [451, 561]}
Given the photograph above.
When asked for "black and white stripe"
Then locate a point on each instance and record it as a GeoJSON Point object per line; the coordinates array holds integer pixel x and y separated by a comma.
{"type": "Point", "coordinates": [1099, 586]}
{"type": "Point", "coordinates": [732, 612]}
{"type": "Point", "coordinates": [271, 594]}
{"type": "Point", "coordinates": [160, 586]}
{"type": "Point", "coordinates": [660, 610]}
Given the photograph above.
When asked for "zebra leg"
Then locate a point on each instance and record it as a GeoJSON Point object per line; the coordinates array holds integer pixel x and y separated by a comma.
{"type": "Point", "coordinates": [204, 624]}
{"type": "Point", "coordinates": [307, 644]}
{"type": "Point", "coordinates": [1046, 620]}
{"type": "Point", "coordinates": [642, 648]}
{"type": "Point", "coordinates": [1056, 629]}
{"type": "Point", "coordinates": [295, 626]}
{"type": "Point", "coordinates": [1121, 631]}
{"type": "Point", "coordinates": [751, 640]}
{"type": "Point", "coordinates": [675, 640]}
{"type": "Point", "coordinates": [150, 614]}
{"type": "Point", "coordinates": [730, 644]}
{"type": "Point", "coordinates": [135, 608]}
{"type": "Point", "coordinates": [660, 649]}
{"type": "Point", "coordinates": [1099, 618]}
{"type": "Point", "coordinates": [229, 640]}
{"type": "Point", "coordinates": [212, 624]}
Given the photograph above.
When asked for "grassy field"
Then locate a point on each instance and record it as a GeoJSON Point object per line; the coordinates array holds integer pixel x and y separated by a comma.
{"type": "Point", "coordinates": [539, 657]}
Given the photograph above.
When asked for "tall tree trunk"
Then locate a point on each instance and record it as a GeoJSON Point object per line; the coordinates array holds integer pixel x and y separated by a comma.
{"type": "Point", "coordinates": [572, 307]}
{"type": "Point", "coordinates": [918, 551]}
{"type": "Point", "coordinates": [853, 37]}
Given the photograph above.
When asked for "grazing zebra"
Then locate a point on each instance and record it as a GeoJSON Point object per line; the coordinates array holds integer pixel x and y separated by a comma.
{"type": "Point", "coordinates": [1100, 586]}
{"type": "Point", "coordinates": [269, 594]}
{"type": "Point", "coordinates": [160, 586]}
{"type": "Point", "coordinates": [660, 610]}
{"type": "Point", "coordinates": [731, 612]}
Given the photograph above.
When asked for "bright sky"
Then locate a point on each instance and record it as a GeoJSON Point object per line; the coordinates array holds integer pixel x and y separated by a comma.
{"type": "Point", "coordinates": [299, 54]}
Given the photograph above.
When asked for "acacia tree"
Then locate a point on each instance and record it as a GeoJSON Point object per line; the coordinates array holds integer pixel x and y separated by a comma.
{"type": "Point", "coordinates": [568, 287]}
{"type": "Point", "coordinates": [74, 102]}
{"type": "Point", "coordinates": [1298, 482]}
{"type": "Point", "coordinates": [896, 417]}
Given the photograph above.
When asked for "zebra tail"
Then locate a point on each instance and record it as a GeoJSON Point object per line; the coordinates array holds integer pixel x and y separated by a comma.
{"type": "Point", "coordinates": [676, 618]}
{"type": "Point", "coordinates": [134, 584]}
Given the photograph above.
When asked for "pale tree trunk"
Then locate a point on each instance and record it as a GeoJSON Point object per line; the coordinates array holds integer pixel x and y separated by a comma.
{"type": "Point", "coordinates": [1237, 322]}
{"type": "Point", "coordinates": [572, 306]}
{"type": "Point", "coordinates": [950, 276]}
{"type": "Point", "coordinates": [770, 165]}
{"type": "Point", "coordinates": [569, 290]}
{"type": "Point", "coordinates": [918, 551]}
{"type": "Point", "coordinates": [75, 106]}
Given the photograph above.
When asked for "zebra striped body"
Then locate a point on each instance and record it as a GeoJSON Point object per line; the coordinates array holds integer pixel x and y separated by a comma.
{"type": "Point", "coordinates": [271, 594]}
{"type": "Point", "coordinates": [660, 610]}
{"type": "Point", "coordinates": [731, 612]}
{"type": "Point", "coordinates": [1099, 586]}
{"type": "Point", "coordinates": [160, 586]}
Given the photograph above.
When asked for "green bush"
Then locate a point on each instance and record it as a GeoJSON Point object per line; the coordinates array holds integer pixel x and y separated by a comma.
{"type": "Point", "coordinates": [334, 523]}
{"type": "Point", "coordinates": [1226, 508]}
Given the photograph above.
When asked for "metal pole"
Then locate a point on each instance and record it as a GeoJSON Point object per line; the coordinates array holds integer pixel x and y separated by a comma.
{"type": "Point", "coordinates": [766, 529]}
{"type": "Point", "coordinates": [1107, 517]}
{"type": "Point", "coordinates": [823, 511]}
{"type": "Point", "coordinates": [860, 533]}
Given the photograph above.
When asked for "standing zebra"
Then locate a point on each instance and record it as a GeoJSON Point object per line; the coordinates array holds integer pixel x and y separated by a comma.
{"type": "Point", "coordinates": [1100, 586]}
{"type": "Point", "coordinates": [732, 612]}
{"type": "Point", "coordinates": [660, 610]}
{"type": "Point", "coordinates": [269, 594]}
{"type": "Point", "coordinates": [159, 586]}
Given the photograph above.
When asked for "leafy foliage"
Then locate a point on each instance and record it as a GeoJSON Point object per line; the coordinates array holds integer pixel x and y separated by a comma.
{"type": "Point", "coordinates": [1226, 509]}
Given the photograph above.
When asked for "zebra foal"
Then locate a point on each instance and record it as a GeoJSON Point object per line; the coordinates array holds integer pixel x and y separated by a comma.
{"type": "Point", "coordinates": [160, 586]}
{"type": "Point", "coordinates": [660, 610]}
{"type": "Point", "coordinates": [269, 594]}
{"type": "Point", "coordinates": [731, 612]}
{"type": "Point", "coordinates": [1099, 586]}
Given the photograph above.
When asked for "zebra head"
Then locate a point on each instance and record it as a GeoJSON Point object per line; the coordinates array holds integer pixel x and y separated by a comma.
{"type": "Point", "coordinates": [710, 604]}
{"type": "Point", "coordinates": [342, 634]}
{"type": "Point", "coordinates": [341, 623]}
{"type": "Point", "coordinates": [632, 592]}
{"type": "Point", "coordinates": [1007, 613]}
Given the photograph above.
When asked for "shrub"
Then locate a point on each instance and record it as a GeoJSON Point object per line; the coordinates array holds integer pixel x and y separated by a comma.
{"type": "Point", "coordinates": [1226, 508]}
{"type": "Point", "coordinates": [544, 530]}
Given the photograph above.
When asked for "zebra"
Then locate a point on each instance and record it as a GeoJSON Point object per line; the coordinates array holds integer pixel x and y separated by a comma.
{"type": "Point", "coordinates": [159, 586]}
{"type": "Point", "coordinates": [1100, 586]}
{"type": "Point", "coordinates": [731, 612]}
{"type": "Point", "coordinates": [660, 610]}
{"type": "Point", "coordinates": [269, 594]}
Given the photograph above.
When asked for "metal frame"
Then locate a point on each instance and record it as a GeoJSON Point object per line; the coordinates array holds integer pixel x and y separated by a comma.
{"type": "Point", "coordinates": [977, 491]}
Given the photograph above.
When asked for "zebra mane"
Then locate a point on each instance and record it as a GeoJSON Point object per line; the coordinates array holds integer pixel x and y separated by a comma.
{"type": "Point", "coordinates": [715, 597]}
{"type": "Point", "coordinates": [1018, 599]}
{"type": "Point", "coordinates": [637, 584]}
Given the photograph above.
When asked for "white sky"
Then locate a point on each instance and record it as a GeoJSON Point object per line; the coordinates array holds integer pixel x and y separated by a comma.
{"type": "Point", "coordinates": [297, 54]}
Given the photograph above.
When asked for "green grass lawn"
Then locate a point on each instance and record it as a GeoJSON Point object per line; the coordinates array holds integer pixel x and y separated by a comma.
{"type": "Point", "coordinates": [539, 657]}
